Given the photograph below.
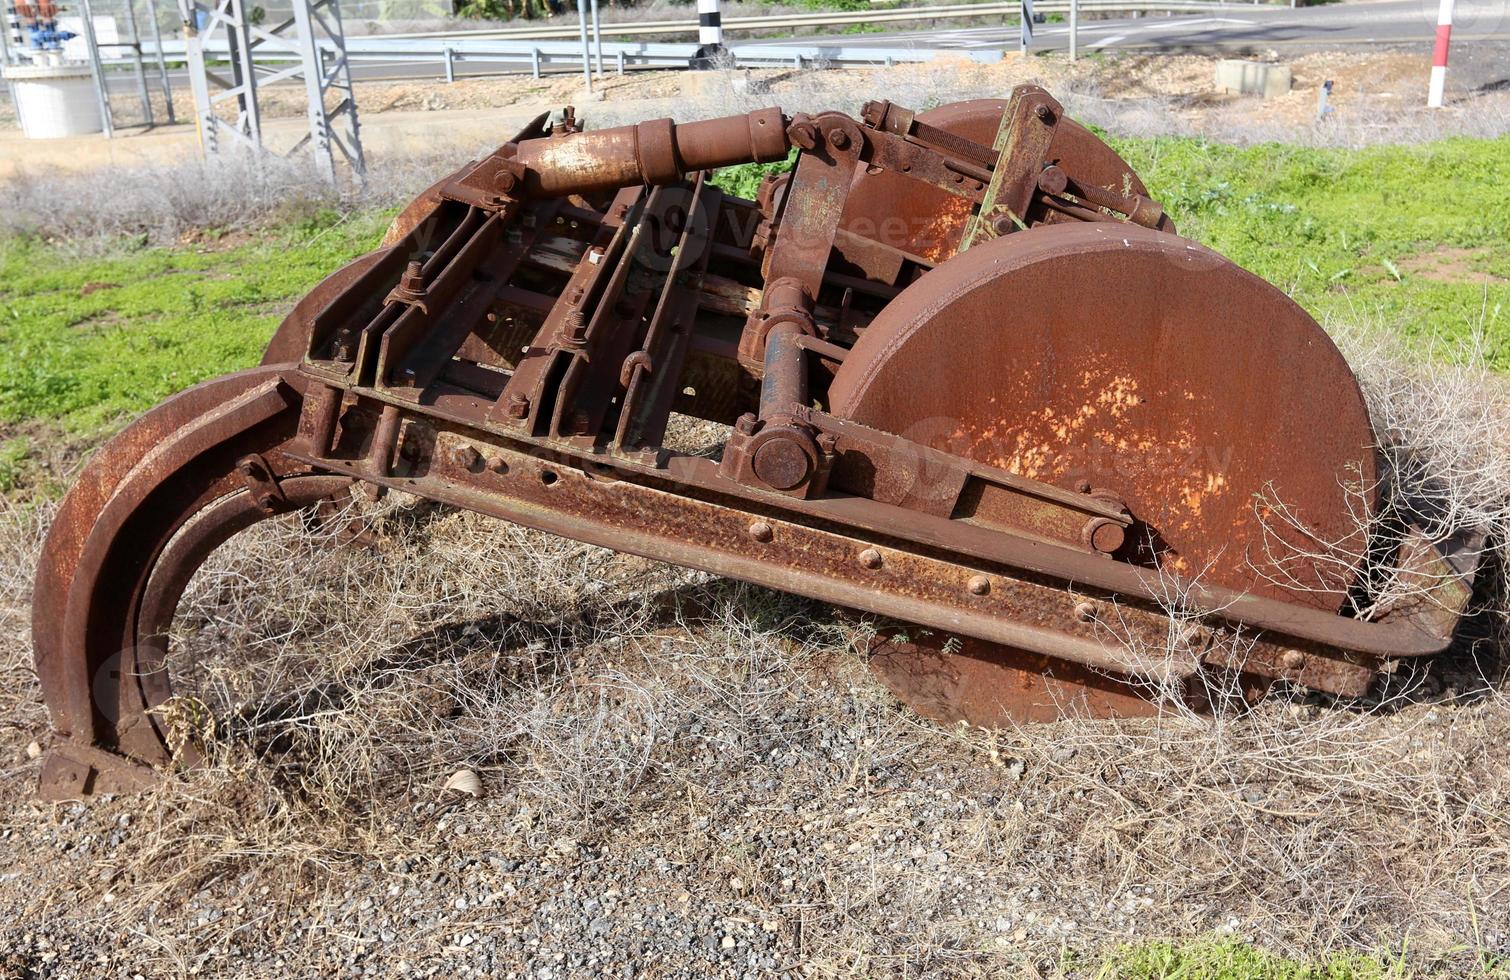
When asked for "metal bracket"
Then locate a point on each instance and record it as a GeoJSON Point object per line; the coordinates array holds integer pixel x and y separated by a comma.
{"type": "Point", "coordinates": [262, 483]}
{"type": "Point", "coordinates": [1022, 146]}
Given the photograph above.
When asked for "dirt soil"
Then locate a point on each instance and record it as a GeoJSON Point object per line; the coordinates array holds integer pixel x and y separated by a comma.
{"type": "Point", "coordinates": [1376, 97]}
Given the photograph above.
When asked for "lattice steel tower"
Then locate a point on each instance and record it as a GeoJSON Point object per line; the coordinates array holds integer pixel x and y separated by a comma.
{"type": "Point", "coordinates": [310, 44]}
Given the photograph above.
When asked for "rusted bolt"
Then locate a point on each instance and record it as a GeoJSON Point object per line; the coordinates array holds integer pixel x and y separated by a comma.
{"type": "Point", "coordinates": [1292, 660]}
{"type": "Point", "coordinates": [827, 443]}
{"type": "Point", "coordinates": [519, 405]}
{"type": "Point", "coordinates": [761, 531]}
{"type": "Point", "coordinates": [1044, 113]}
{"type": "Point", "coordinates": [803, 134]}
{"type": "Point", "coordinates": [870, 558]}
{"type": "Point", "coordinates": [507, 181]}
{"type": "Point", "coordinates": [1004, 225]}
{"type": "Point", "coordinates": [413, 277]}
{"type": "Point", "coordinates": [1053, 180]}
{"type": "Point", "coordinates": [1104, 535]}
{"type": "Point", "coordinates": [1082, 486]}
{"type": "Point", "coordinates": [1085, 611]}
{"type": "Point", "coordinates": [979, 585]}
{"type": "Point", "coordinates": [746, 424]}
{"type": "Point", "coordinates": [838, 139]}
{"type": "Point", "coordinates": [574, 329]}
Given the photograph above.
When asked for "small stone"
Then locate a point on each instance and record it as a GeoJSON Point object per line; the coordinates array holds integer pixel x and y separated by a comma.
{"type": "Point", "coordinates": [728, 942]}
{"type": "Point", "coordinates": [34, 751]}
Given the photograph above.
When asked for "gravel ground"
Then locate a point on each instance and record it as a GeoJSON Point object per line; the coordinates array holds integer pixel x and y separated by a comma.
{"type": "Point", "coordinates": [682, 777]}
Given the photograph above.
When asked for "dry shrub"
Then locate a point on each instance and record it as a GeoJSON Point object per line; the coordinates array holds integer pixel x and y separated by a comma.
{"type": "Point", "coordinates": [163, 204]}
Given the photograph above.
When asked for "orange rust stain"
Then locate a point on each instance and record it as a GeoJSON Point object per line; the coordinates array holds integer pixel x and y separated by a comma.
{"type": "Point", "coordinates": [939, 238]}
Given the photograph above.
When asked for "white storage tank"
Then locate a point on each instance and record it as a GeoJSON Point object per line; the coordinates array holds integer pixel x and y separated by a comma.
{"type": "Point", "coordinates": [54, 100]}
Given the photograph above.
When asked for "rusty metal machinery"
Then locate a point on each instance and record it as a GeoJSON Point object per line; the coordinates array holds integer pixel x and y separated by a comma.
{"type": "Point", "coordinates": [974, 383]}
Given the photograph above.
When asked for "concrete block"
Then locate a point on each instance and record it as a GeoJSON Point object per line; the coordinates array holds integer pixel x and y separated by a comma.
{"type": "Point", "coordinates": [1252, 77]}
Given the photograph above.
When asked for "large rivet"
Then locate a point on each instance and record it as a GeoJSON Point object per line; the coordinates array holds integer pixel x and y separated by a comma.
{"type": "Point", "coordinates": [979, 585]}
{"type": "Point", "coordinates": [1292, 660]}
{"type": "Point", "coordinates": [870, 558]}
{"type": "Point", "coordinates": [761, 531]}
{"type": "Point", "coordinates": [1085, 611]}
{"type": "Point", "coordinates": [468, 458]}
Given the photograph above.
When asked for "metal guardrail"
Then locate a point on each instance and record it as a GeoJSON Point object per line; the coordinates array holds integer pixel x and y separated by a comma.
{"type": "Point", "coordinates": [542, 56]}
{"type": "Point", "coordinates": [838, 18]}
{"type": "Point", "coordinates": [547, 49]}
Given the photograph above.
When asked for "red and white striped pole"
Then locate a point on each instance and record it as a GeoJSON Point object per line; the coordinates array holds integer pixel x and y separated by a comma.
{"type": "Point", "coordinates": [1439, 56]}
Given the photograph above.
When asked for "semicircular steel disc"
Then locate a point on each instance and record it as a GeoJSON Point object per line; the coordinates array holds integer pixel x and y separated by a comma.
{"type": "Point", "coordinates": [1145, 366]}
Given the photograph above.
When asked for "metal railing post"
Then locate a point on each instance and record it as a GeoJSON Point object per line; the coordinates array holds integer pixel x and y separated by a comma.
{"type": "Point", "coordinates": [97, 70]}
{"type": "Point", "coordinates": [162, 61]}
{"type": "Point", "coordinates": [138, 66]}
{"type": "Point", "coordinates": [450, 67]}
{"type": "Point", "coordinates": [535, 62]}
{"type": "Point", "coordinates": [597, 38]}
{"type": "Point", "coordinates": [1074, 29]}
{"type": "Point", "coordinates": [582, 16]}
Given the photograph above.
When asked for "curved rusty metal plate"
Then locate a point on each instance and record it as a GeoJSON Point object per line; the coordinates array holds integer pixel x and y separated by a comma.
{"type": "Point", "coordinates": [928, 222]}
{"type": "Point", "coordinates": [1144, 366]}
{"type": "Point", "coordinates": [110, 532]}
{"type": "Point", "coordinates": [950, 679]}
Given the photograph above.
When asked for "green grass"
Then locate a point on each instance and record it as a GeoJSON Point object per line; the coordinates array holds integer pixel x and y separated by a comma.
{"type": "Point", "coordinates": [1229, 959]}
{"type": "Point", "coordinates": [1338, 229]}
{"type": "Point", "coordinates": [89, 340]}
{"type": "Point", "coordinates": [1224, 958]}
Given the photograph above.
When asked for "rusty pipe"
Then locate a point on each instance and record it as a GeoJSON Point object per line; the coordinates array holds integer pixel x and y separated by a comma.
{"type": "Point", "coordinates": [655, 152]}
{"type": "Point", "coordinates": [785, 384]}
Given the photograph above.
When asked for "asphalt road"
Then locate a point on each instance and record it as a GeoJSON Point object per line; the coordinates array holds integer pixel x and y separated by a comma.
{"type": "Point", "coordinates": [1326, 27]}
{"type": "Point", "coordinates": [1480, 51]}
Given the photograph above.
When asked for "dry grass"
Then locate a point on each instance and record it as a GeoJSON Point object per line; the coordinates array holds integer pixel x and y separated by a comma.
{"type": "Point", "coordinates": [167, 203]}
{"type": "Point", "coordinates": [680, 757]}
